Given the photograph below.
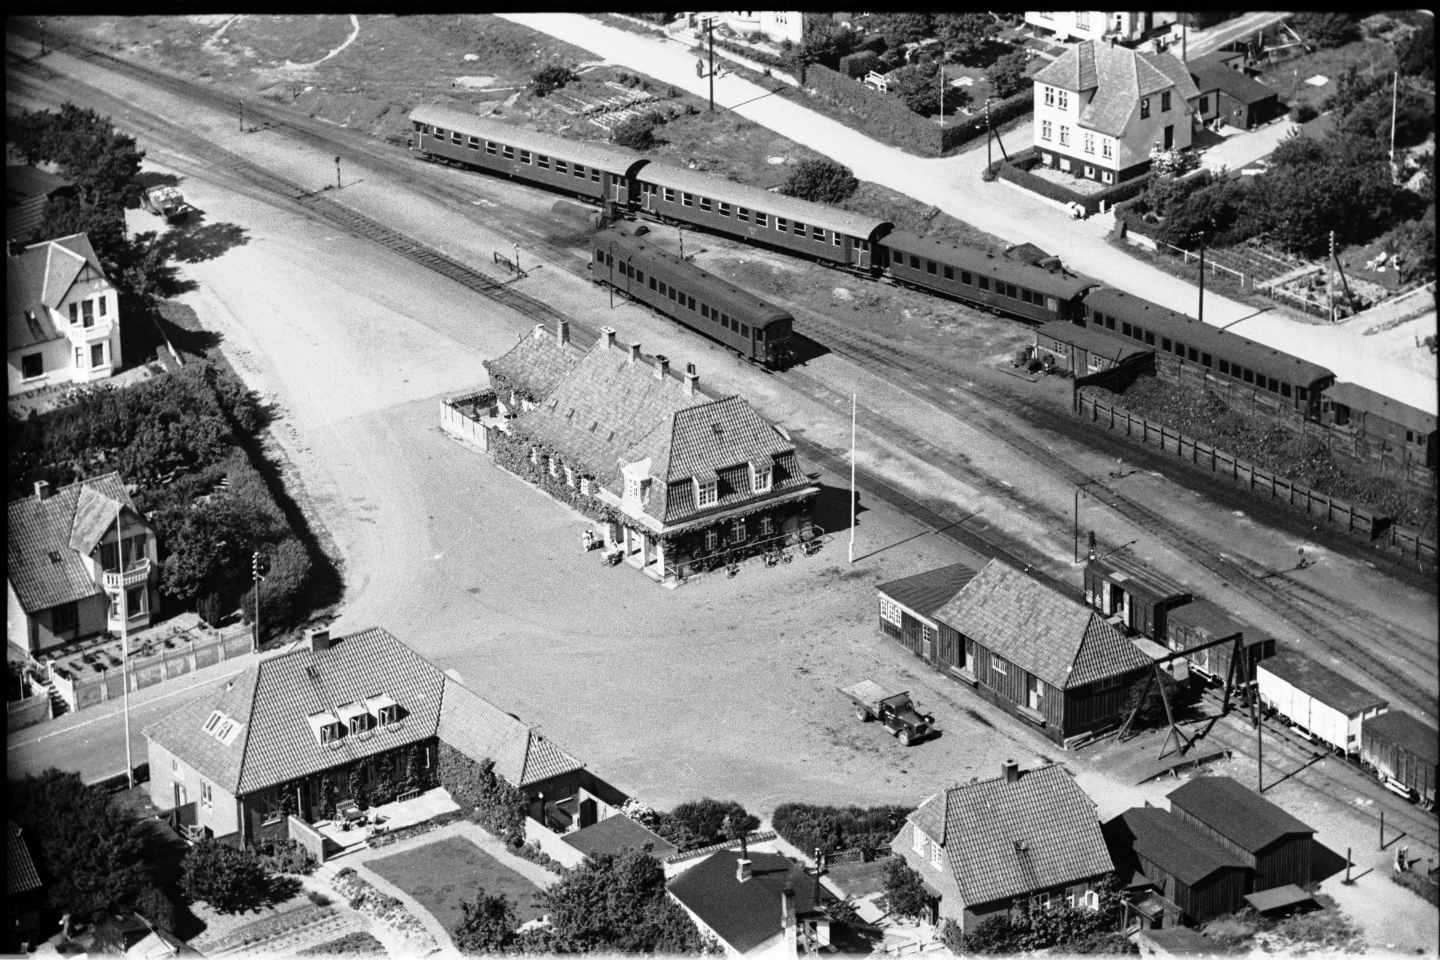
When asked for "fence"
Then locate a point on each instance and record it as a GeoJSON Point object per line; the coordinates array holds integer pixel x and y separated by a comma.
{"type": "Point", "coordinates": [1261, 483]}
{"type": "Point", "coordinates": [552, 844]}
{"type": "Point", "coordinates": [756, 837]}
{"type": "Point", "coordinates": [1210, 262]}
{"type": "Point", "coordinates": [1016, 169]}
{"type": "Point", "coordinates": [463, 417]}
{"type": "Point", "coordinates": [81, 692]}
{"type": "Point", "coordinates": [28, 712]}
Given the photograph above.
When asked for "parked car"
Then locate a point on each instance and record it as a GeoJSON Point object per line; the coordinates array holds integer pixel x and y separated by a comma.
{"type": "Point", "coordinates": [167, 202]}
{"type": "Point", "coordinates": [895, 711]}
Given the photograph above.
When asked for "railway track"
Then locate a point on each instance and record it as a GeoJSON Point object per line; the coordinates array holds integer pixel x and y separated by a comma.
{"type": "Point", "coordinates": [1314, 613]}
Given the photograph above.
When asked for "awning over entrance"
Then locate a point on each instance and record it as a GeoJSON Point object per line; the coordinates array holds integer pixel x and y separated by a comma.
{"type": "Point", "coordinates": [1287, 897]}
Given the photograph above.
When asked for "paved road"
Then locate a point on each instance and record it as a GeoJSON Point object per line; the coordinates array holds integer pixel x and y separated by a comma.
{"type": "Point", "coordinates": [953, 184]}
{"type": "Point", "coordinates": [1204, 41]}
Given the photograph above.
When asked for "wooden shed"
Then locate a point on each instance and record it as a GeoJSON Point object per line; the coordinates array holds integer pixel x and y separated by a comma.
{"type": "Point", "coordinates": [907, 607]}
{"type": "Point", "coordinates": [1197, 877]}
{"type": "Point", "coordinates": [1275, 845]}
{"type": "Point", "coordinates": [1141, 596]}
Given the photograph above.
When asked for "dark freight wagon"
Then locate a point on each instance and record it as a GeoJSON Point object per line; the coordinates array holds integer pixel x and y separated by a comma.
{"type": "Point", "coordinates": [1141, 596]}
{"type": "Point", "coordinates": [1403, 752]}
{"type": "Point", "coordinates": [1201, 621]}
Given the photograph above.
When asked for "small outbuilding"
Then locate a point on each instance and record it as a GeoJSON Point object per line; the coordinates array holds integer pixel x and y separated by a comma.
{"type": "Point", "coordinates": [1271, 842]}
{"type": "Point", "coordinates": [1227, 94]}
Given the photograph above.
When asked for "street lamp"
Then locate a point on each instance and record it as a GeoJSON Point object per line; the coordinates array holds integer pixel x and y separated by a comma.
{"type": "Point", "coordinates": [611, 259]}
{"type": "Point", "coordinates": [1079, 492]}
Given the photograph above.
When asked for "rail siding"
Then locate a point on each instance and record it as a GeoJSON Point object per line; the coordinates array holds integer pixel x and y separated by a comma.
{"type": "Point", "coordinates": [1258, 482]}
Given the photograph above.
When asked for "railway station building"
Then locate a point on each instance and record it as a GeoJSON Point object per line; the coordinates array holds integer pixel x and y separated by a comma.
{"type": "Point", "coordinates": [680, 482]}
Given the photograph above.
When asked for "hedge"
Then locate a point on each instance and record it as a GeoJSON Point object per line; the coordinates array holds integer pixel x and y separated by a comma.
{"type": "Point", "coordinates": [1016, 170]}
{"type": "Point", "coordinates": [493, 803]}
{"type": "Point", "coordinates": [833, 829]}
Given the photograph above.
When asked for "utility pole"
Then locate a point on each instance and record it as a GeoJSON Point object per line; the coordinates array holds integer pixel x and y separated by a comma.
{"type": "Point", "coordinates": [1201, 318]}
{"type": "Point", "coordinates": [242, 116]}
{"type": "Point", "coordinates": [258, 578]}
{"type": "Point", "coordinates": [1394, 105]}
{"type": "Point", "coordinates": [1330, 277]}
{"type": "Point", "coordinates": [1184, 38]}
{"type": "Point", "coordinates": [1078, 494]}
{"type": "Point", "coordinates": [337, 173]}
{"type": "Point", "coordinates": [710, 33]}
{"type": "Point", "coordinates": [852, 478]}
{"type": "Point", "coordinates": [124, 647]}
{"type": "Point", "coordinates": [988, 135]}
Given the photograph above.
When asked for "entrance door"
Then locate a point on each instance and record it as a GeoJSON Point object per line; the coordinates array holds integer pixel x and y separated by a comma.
{"type": "Point", "coordinates": [1032, 692]}
{"type": "Point", "coordinates": [180, 798]}
{"type": "Point", "coordinates": [1169, 136]}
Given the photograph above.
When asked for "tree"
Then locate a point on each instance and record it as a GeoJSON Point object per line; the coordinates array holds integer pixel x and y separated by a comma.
{"type": "Point", "coordinates": [1414, 118]}
{"type": "Point", "coordinates": [487, 923]}
{"type": "Point", "coordinates": [899, 29]}
{"type": "Point", "coordinates": [967, 37]}
{"type": "Point", "coordinates": [1009, 74]}
{"type": "Point", "coordinates": [92, 856]}
{"type": "Point", "coordinates": [229, 879]}
{"type": "Point", "coordinates": [699, 823]}
{"type": "Point", "coordinates": [918, 87]}
{"type": "Point", "coordinates": [824, 42]}
{"type": "Point", "coordinates": [617, 904]}
{"type": "Point", "coordinates": [1342, 184]}
{"type": "Point", "coordinates": [548, 80]}
{"type": "Point", "coordinates": [101, 161]}
{"type": "Point", "coordinates": [1326, 29]}
{"type": "Point", "coordinates": [820, 181]}
{"type": "Point", "coordinates": [1217, 213]}
{"type": "Point", "coordinates": [636, 133]}
{"type": "Point", "coordinates": [905, 892]}
{"type": "Point", "coordinates": [1416, 55]}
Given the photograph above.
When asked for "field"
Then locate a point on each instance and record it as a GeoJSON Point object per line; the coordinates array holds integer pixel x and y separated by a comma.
{"type": "Point", "coordinates": [1288, 77]}
{"type": "Point", "coordinates": [442, 874]}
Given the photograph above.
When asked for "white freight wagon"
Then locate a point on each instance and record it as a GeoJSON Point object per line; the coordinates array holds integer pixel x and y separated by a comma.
{"type": "Point", "coordinates": [1323, 704]}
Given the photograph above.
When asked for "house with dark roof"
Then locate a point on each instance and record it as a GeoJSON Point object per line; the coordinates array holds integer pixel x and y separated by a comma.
{"type": "Point", "coordinates": [75, 557]}
{"type": "Point", "coordinates": [1023, 645]}
{"type": "Point", "coordinates": [360, 717]}
{"type": "Point", "coordinates": [62, 321]}
{"type": "Point", "coordinates": [755, 904]}
{"type": "Point", "coordinates": [1123, 26]}
{"type": "Point", "coordinates": [27, 190]}
{"type": "Point", "coordinates": [908, 605]}
{"type": "Point", "coordinates": [1101, 109]}
{"type": "Point", "coordinates": [1379, 427]}
{"type": "Point", "coordinates": [681, 481]}
{"type": "Point", "coordinates": [1176, 872]}
{"type": "Point", "coordinates": [1026, 839]}
{"type": "Point", "coordinates": [24, 891]}
{"type": "Point", "coordinates": [1225, 93]}
{"type": "Point", "coordinates": [1274, 845]}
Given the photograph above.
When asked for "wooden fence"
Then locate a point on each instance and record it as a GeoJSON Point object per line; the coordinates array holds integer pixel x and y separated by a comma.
{"type": "Point", "coordinates": [1261, 483]}
{"type": "Point", "coordinates": [81, 692]}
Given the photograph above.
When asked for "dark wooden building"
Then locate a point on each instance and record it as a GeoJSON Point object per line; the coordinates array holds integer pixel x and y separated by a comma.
{"type": "Point", "coordinates": [1084, 351]}
{"type": "Point", "coordinates": [1199, 622]}
{"type": "Point", "coordinates": [1227, 94]}
{"type": "Point", "coordinates": [1139, 595]}
{"type": "Point", "coordinates": [908, 605]}
{"type": "Point", "coordinates": [1275, 845]}
{"type": "Point", "coordinates": [1195, 877]}
{"type": "Point", "coordinates": [1377, 428]}
{"type": "Point", "coordinates": [1025, 647]}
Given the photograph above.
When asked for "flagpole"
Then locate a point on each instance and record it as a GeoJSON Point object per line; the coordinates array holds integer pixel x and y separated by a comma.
{"type": "Point", "coordinates": [852, 478]}
{"type": "Point", "coordinates": [124, 647]}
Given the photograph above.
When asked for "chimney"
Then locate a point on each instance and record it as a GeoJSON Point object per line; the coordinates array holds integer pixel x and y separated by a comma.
{"type": "Point", "coordinates": [319, 639]}
{"type": "Point", "coordinates": [539, 331]}
{"type": "Point", "coordinates": [607, 334]}
{"type": "Point", "coordinates": [662, 366]}
{"type": "Point", "coordinates": [787, 921]}
{"type": "Point", "coordinates": [634, 352]}
{"type": "Point", "coordinates": [1011, 769]}
{"type": "Point", "coordinates": [742, 870]}
{"type": "Point", "coordinates": [690, 379]}
{"type": "Point", "coordinates": [562, 331]}
{"type": "Point", "coordinates": [42, 489]}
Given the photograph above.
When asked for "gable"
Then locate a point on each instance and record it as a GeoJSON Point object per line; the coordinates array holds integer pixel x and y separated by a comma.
{"type": "Point", "coordinates": [42, 566]}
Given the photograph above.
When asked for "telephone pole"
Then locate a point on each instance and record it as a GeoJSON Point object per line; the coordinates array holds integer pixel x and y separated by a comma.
{"type": "Point", "coordinates": [710, 33]}
{"type": "Point", "coordinates": [1201, 318]}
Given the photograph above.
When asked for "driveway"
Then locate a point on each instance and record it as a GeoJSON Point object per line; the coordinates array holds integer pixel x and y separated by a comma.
{"type": "Point", "coordinates": [953, 184]}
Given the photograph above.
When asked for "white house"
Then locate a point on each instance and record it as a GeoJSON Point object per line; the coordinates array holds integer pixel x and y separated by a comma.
{"type": "Point", "coordinates": [1125, 27]}
{"type": "Point", "coordinates": [62, 318]}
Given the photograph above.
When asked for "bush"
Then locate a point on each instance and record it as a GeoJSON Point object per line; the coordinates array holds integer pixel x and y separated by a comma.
{"type": "Point", "coordinates": [318, 898]}
{"type": "Point", "coordinates": [487, 923]}
{"type": "Point", "coordinates": [833, 829]}
{"type": "Point", "coordinates": [1326, 29]}
{"type": "Point", "coordinates": [230, 880]}
{"type": "Point", "coordinates": [699, 823]}
{"type": "Point", "coordinates": [820, 181]}
{"type": "Point", "coordinates": [287, 856]}
{"type": "Point", "coordinates": [1303, 113]}
{"type": "Point", "coordinates": [1008, 74]}
{"type": "Point", "coordinates": [550, 79]}
{"type": "Point", "coordinates": [495, 804]}
{"type": "Point", "coordinates": [635, 133]}
{"type": "Point", "coordinates": [905, 893]}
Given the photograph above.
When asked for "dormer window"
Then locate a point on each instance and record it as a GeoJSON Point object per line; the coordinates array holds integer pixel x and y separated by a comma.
{"type": "Point", "coordinates": [760, 478]}
{"type": "Point", "coordinates": [706, 492]}
{"type": "Point", "coordinates": [356, 717]}
{"type": "Point", "coordinates": [327, 726]}
{"type": "Point", "coordinates": [329, 732]}
{"type": "Point", "coordinates": [214, 721]}
{"type": "Point", "coordinates": [385, 709]}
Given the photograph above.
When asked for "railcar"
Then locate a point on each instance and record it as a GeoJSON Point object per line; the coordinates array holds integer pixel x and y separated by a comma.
{"type": "Point", "coordinates": [594, 171]}
{"type": "Point", "coordinates": [708, 304]}
{"type": "Point", "coordinates": [749, 213]}
{"type": "Point", "coordinates": [1200, 621]}
{"type": "Point", "coordinates": [1321, 703]}
{"type": "Point", "coordinates": [1190, 349]}
{"type": "Point", "coordinates": [1403, 752]}
{"type": "Point", "coordinates": [979, 277]}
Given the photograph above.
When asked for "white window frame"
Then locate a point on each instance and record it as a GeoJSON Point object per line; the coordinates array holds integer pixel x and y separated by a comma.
{"type": "Point", "coordinates": [937, 856]}
{"type": "Point", "coordinates": [889, 610]}
{"type": "Point", "coordinates": [1063, 99]}
{"type": "Point", "coordinates": [1047, 130]}
{"type": "Point", "coordinates": [761, 478]}
{"type": "Point", "coordinates": [737, 530]}
{"type": "Point", "coordinates": [1089, 142]}
{"type": "Point", "coordinates": [1049, 96]}
{"type": "Point", "coordinates": [998, 665]}
{"type": "Point", "coordinates": [707, 492]}
{"type": "Point", "coordinates": [1107, 148]}
{"type": "Point", "coordinates": [712, 540]}
{"type": "Point", "coordinates": [1092, 900]}
{"type": "Point", "coordinates": [1064, 134]}
{"type": "Point", "coordinates": [207, 796]}
{"type": "Point", "coordinates": [917, 841]}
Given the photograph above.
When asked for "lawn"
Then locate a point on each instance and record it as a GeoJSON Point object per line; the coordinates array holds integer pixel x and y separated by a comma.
{"type": "Point", "coordinates": [1288, 77]}
{"type": "Point", "coordinates": [442, 874]}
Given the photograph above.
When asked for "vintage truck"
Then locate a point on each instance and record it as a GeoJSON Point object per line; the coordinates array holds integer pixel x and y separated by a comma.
{"type": "Point", "coordinates": [895, 711]}
{"type": "Point", "coordinates": [165, 201]}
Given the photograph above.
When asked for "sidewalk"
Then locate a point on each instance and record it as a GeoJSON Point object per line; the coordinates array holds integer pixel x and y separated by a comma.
{"type": "Point", "coordinates": [953, 184]}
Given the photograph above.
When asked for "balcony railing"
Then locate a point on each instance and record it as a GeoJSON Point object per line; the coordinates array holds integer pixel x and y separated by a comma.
{"type": "Point", "coordinates": [132, 576]}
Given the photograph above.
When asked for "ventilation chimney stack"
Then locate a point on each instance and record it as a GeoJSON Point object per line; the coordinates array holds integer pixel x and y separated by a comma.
{"type": "Point", "coordinates": [1011, 769]}
{"type": "Point", "coordinates": [562, 331]}
{"type": "Point", "coordinates": [742, 870]}
{"type": "Point", "coordinates": [690, 378]}
{"type": "Point", "coordinates": [539, 331]}
{"type": "Point", "coordinates": [634, 352]}
{"type": "Point", "coordinates": [42, 489]}
{"type": "Point", "coordinates": [319, 639]}
{"type": "Point", "coordinates": [607, 334]}
{"type": "Point", "coordinates": [662, 366]}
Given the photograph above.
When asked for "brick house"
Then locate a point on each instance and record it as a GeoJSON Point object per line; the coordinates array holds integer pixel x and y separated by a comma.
{"type": "Point", "coordinates": [1100, 109]}
{"type": "Point", "coordinates": [1026, 647]}
{"type": "Point", "coordinates": [64, 572]}
{"type": "Point", "coordinates": [62, 320]}
{"type": "Point", "coordinates": [1023, 840]}
{"type": "Point", "coordinates": [335, 720]}
{"type": "Point", "coordinates": [1274, 845]}
{"type": "Point", "coordinates": [681, 481]}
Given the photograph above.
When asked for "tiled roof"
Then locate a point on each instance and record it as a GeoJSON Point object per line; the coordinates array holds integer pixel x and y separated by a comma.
{"type": "Point", "coordinates": [745, 915]}
{"type": "Point", "coordinates": [1046, 633]}
{"type": "Point", "coordinates": [94, 514]}
{"type": "Point", "coordinates": [1362, 399]}
{"type": "Point", "coordinates": [27, 191]}
{"type": "Point", "coordinates": [1235, 812]}
{"type": "Point", "coordinates": [37, 279]}
{"type": "Point", "coordinates": [1005, 839]}
{"type": "Point", "coordinates": [476, 727]}
{"type": "Point", "coordinates": [1120, 77]}
{"type": "Point", "coordinates": [40, 528]}
{"type": "Point", "coordinates": [537, 363]}
{"type": "Point", "coordinates": [181, 730]}
{"type": "Point", "coordinates": [20, 874]}
{"type": "Point", "coordinates": [617, 834]}
{"type": "Point", "coordinates": [1211, 73]}
{"type": "Point", "coordinates": [1176, 847]}
{"type": "Point", "coordinates": [1312, 677]}
{"type": "Point", "coordinates": [927, 592]}
{"type": "Point", "coordinates": [1176, 72]}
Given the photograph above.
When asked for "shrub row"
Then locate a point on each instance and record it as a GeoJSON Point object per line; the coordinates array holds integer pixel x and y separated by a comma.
{"type": "Point", "coordinates": [833, 829]}
{"type": "Point", "coordinates": [416, 829]}
{"type": "Point", "coordinates": [493, 803]}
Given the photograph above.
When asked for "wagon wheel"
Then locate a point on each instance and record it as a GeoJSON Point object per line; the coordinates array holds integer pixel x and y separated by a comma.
{"type": "Point", "coordinates": [862, 714]}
